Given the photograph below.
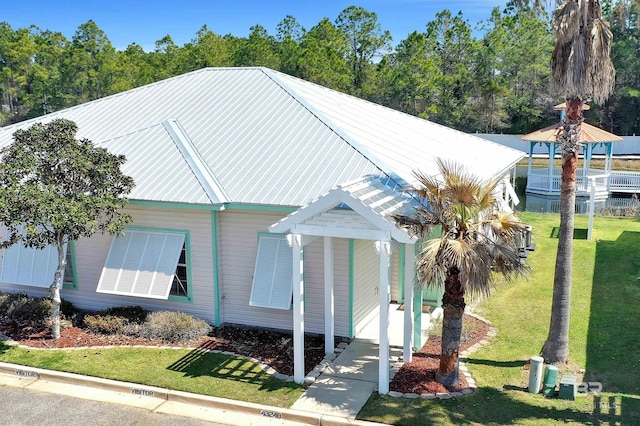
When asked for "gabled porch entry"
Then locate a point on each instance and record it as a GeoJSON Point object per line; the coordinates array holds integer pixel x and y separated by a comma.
{"type": "Point", "coordinates": [360, 210]}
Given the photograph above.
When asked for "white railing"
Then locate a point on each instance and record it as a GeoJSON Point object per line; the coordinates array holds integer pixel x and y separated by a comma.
{"type": "Point", "coordinates": [620, 181]}
{"type": "Point", "coordinates": [624, 182]}
{"type": "Point", "coordinates": [552, 184]}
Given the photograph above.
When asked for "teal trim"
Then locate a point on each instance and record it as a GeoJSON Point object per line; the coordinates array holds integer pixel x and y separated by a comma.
{"type": "Point", "coordinates": [216, 278]}
{"type": "Point", "coordinates": [401, 275]}
{"type": "Point", "coordinates": [189, 298]}
{"type": "Point", "coordinates": [74, 267]}
{"type": "Point", "coordinates": [187, 242]}
{"type": "Point", "coordinates": [167, 204]}
{"type": "Point", "coordinates": [153, 228]}
{"type": "Point", "coordinates": [257, 207]}
{"type": "Point", "coordinates": [352, 331]}
{"type": "Point", "coordinates": [417, 318]}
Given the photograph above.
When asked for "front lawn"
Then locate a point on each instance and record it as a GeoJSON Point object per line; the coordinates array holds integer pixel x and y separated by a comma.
{"type": "Point", "coordinates": [187, 370]}
{"type": "Point", "coordinates": [605, 338]}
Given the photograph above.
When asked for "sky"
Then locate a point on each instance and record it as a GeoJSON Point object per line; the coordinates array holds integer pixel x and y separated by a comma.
{"type": "Point", "coordinates": [145, 22]}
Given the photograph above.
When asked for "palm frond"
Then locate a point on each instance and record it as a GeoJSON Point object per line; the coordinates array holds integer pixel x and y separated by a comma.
{"type": "Point", "coordinates": [476, 240]}
{"type": "Point", "coordinates": [565, 21]}
{"type": "Point", "coordinates": [601, 72]}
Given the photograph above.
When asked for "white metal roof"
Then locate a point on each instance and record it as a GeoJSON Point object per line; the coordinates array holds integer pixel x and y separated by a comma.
{"type": "Point", "coordinates": [256, 136]}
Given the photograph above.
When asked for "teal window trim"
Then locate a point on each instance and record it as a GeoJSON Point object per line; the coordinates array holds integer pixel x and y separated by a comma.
{"type": "Point", "coordinates": [352, 331]}
{"type": "Point", "coordinates": [216, 277]}
{"type": "Point", "coordinates": [71, 247]}
{"type": "Point", "coordinates": [187, 246]}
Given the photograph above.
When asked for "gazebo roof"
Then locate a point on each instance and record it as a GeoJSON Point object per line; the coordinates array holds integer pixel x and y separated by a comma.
{"type": "Point", "coordinates": [588, 134]}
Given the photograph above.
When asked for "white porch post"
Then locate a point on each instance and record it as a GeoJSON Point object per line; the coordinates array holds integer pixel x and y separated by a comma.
{"type": "Point", "coordinates": [383, 372]}
{"type": "Point", "coordinates": [552, 154]}
{"type": "Point", "coordinates": [409, 259]}
{"type": "Point", "coordinates": [298, 309]}
{"type": "Point", "coordinates": [530, 162]}
{"type": "Point", "coordinates": [587, 159]}
{"type": "Point", "coordinates": [329, 319]}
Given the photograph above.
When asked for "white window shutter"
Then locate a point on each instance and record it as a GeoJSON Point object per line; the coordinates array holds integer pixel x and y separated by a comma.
{"type": "Point", "coordinates": [142, 264]}
{"type": "Point", "coordinates": [272, 286]}
{"type": "Point", "coordinates": [29, 266]}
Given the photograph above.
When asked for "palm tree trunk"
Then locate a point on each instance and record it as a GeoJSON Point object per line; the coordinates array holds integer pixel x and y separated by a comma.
{"type": "Point", "coordinates": [556, 348]}
{"type": "Point", "coordinates": [453, 308]}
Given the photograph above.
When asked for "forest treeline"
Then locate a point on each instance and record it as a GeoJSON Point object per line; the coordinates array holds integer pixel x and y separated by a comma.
{"type": "Point", "coordinates": [494, 78]}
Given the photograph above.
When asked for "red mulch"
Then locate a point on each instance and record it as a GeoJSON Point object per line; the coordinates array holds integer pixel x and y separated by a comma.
{"type": "Point", "coordinates": [272, 348]}
{"type": "Point", "coordinates": [419, 375]}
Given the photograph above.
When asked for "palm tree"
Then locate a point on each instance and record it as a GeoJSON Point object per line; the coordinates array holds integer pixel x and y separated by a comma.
{"type": "Point", "coordinates": [581, 68]}
{"type": "Point", "coordinates": [476, 241]}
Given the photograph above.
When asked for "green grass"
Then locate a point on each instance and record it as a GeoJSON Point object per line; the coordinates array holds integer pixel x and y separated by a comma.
{"type": "Point", "coordinates": [604, 338]}
{"type": "Point", "coordinates": [194, 371]}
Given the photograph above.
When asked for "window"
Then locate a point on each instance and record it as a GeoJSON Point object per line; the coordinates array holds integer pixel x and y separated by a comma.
{"type": "Point", "coordinates": [180, 284]}
{"type": "Point", "coordinates": [272, 277]}
{"type": "Point", "coordinates": [69, 277]}
{"type": "Point", "coordinates": [29, 266]}
{"type": "Point", "coordinates": [144, 263]}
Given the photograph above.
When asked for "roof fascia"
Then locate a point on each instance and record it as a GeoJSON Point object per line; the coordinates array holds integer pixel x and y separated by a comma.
{"type": "Point", "coordinates": [169, 204]}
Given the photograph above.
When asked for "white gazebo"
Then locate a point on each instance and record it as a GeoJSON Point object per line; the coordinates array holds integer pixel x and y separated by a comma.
{"type": "Point", "coordinates": [547, 181]}
{"type": "Point", "coordinates": [358, 210]}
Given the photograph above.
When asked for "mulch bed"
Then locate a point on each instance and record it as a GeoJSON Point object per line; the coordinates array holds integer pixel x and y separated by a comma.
{"type": "Point", "coordinates": [272, 348]}
{"type": "Point", "coordinates": [419, 376]}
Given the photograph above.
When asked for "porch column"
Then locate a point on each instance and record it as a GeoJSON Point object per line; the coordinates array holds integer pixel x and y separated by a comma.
{"type": "Point", "coordinates": [530, 163]}
{"type": "Point", "coordinates": [298, 309]}
{"type": "Point", "coordinates": [409, 259]}
{"type": "Point", "coordinates": [587, 158]}
{"type": "Point", "coordinates": [383, 371]}
{"type": "Point", "coordinates": [552, 154]}
{"type": "Point", "coordinates": [329, 319]}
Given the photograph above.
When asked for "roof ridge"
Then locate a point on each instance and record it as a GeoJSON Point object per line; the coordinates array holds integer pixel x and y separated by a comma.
{"type": "Point", "coordinates": [374, 160]}
{"type": "Point", "coordinates": [196, 163]}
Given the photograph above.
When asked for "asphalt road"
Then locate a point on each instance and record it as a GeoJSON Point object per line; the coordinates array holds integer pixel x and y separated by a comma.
{"type": "Point", "coordinates": [27, 407]}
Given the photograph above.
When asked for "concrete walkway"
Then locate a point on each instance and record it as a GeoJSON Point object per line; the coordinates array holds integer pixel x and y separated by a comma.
{"type": "Point", "coordinates": [345, 385]}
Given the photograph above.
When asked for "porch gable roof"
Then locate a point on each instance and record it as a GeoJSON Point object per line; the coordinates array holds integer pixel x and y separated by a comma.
{"type": "Point", "coordinates": [371, 203]}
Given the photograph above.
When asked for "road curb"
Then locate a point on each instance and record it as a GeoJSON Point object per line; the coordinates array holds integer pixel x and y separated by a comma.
{"type": "Point", "coordinates": [286, 414]}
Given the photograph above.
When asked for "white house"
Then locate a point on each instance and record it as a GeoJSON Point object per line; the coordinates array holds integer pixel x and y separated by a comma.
{"type": "Point", "coordinates": [237, 170]}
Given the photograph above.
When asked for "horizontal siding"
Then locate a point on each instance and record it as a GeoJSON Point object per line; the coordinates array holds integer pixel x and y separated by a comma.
{"type": "Point", "coordinates": [366, 282]}
{"type": "Point", "coordinates": [91, 254]}
{"type": "Point", "coordinates": [238, 245]}
{"type": "Point", "coordinates": [395, 272]}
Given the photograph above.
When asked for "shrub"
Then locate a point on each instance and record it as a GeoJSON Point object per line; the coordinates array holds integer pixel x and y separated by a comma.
{"type": "Point", "coordinates": [106, 324]}
{"type": "Point", "coordinates": [173, 326]}
{"type": "Point", "coordinates": [18, 308]}
{"type": "Point", "coordinates": [135, 314]}
{"type": "Point", "coordinates": [67, 309]}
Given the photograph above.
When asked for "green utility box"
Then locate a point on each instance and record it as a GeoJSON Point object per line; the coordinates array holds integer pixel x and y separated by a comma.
{"type": "Point", "coordinates": [568, 387]}
{"type": "Point", "coordinates": [550, 380]}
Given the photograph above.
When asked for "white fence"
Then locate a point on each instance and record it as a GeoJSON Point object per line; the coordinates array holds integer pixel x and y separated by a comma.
{"type": "Point", "coordinates": [624, 182]}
